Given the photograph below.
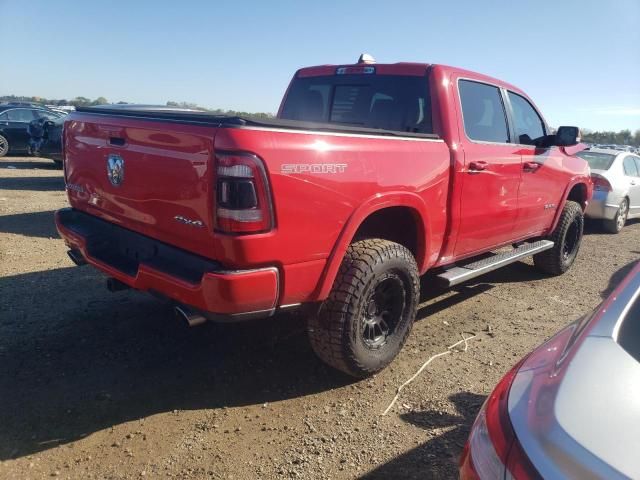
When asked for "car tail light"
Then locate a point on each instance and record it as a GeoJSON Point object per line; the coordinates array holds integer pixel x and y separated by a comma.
{"type": "Point", "coordinates": [600, 183]}
{"type": "Point", "coordinates": [243, 200]}
{"type": "Point", "coordinates": [492, 450]}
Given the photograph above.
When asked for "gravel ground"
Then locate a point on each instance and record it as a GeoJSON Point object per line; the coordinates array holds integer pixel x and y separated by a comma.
{"type": "Point", "coordinates": [101, 385]}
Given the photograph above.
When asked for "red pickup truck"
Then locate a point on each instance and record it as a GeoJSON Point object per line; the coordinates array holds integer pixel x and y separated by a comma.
{"type": "Point", "coordinates": [370, 176]}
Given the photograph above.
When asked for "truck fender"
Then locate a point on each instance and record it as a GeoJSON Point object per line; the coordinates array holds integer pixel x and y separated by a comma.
{"type": "Point", "coordinates": [368, 207]}
{"type": "Point", "coordinates": [572, 183]}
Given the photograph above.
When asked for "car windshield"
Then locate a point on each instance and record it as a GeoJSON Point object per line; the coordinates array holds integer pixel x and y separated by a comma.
{"type": "Point", "coordinates": [596, 160]}
{"type": "Point", "coordinates": [391, 102]}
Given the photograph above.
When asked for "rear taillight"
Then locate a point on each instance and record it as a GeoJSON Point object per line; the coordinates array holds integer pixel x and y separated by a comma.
{"type": "Point", "coordinates": [243, 200]}
{"type": "Point", "coordinates": [600, 183]}
{"type": "Point", "coordinates": [492, 450]}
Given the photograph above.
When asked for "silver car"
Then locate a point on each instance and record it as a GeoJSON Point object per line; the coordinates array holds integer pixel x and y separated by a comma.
{"type": "Point", "coordinates": [616, 182]}
{"type": "Point", "coordinates": [571, 408]}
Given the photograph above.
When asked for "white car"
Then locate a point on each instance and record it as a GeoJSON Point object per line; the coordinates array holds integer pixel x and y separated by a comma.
{"type": "Point", "coordinates": [616, 187]}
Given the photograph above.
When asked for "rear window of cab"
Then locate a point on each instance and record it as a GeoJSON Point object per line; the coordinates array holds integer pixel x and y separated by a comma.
{"type": "Point", "coordinates": [389, 102]}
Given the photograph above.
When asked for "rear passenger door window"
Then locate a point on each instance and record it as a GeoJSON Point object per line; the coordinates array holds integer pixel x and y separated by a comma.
{"type": "Point", "coordinates": [630, 168]}
{"type": "Point", "coordinates": [528, 125]}
{"type": "Point", "coordinates": [483, 112]}
{"type": "Point", "coordinates": [20, 115]}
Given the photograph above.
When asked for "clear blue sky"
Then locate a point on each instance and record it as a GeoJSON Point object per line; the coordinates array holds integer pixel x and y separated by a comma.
{"type": "Point", "coordinates": [579, 60]}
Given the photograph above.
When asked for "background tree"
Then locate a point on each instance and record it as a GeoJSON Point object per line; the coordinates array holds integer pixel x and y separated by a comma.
{"type": "Point", "coordinates": [80, 102]}
{"type": "Point", "coordinates": [623, 137]}
{"type": "Point", "coordinates": [100, 101]}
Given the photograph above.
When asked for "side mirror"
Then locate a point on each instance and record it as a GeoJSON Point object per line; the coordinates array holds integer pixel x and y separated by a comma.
{"type": "Point", "coordinates": [567, 136]}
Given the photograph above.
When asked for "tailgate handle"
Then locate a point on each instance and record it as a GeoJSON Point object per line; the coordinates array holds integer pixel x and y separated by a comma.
{"type": "Point", "coordinates": [117, 141]}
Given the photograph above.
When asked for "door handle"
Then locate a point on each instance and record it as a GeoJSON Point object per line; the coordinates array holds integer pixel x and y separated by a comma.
{"type": "Point", "coordinates": [531, 166]}
{"type": "Point", "coordinates": [478, 166]}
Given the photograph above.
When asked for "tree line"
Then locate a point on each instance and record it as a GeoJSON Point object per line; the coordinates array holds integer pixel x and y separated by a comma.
{"type": "Point", "coordinates": [76, 102]}
{"type": "Point", "coordinates": [623, 137]}
{"type": "Point", "coordinates": [87, 102]}
{"type": "Point", "coordinates": [219, 111]}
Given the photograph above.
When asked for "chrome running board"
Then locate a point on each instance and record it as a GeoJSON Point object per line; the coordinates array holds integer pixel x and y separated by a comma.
{"type": "Point", "coordinates": [459, 274]}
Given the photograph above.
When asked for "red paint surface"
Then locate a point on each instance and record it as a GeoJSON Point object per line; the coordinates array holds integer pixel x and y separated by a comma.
{"type": "Point", "coordinates": [169, 171]}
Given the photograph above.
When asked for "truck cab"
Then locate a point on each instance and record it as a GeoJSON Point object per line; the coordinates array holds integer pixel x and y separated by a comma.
{"type": "Point", "coordinates": [508, 176]}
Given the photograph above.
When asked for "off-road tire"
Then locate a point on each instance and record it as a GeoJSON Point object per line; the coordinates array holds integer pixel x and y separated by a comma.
{"type": "Point", "coordinates": [616, 225]}
{"type": "Point", "coordinates": [4, 146]}
{"type": "Point", "coordinates": [337, 332]}
{"type": "Point", "coordinates": [555, 261]}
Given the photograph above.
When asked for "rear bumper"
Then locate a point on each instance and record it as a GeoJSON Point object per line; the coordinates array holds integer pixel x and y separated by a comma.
{"type": "Point", "coordinates": [602, 206]}
{"type": "Point", "coordinates": [147, 264]}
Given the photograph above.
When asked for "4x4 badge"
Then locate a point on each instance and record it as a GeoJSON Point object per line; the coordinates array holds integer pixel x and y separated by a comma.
{"type": "Point", "coordinates": [115, 169]}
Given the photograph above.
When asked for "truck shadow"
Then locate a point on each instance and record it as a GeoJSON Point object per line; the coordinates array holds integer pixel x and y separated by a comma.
{"type": "Point", "coordinates": [431, 303]}
{"type": "Point", "coordinates": [37, 184]}
{"type": "Point", "coordinates": [434, 298]}
{"type": "Point", "coordinates": [37, 224]}
{"type": "Point", "coordinates": [438, 457]}
{"type": "Point", "coordinates": [74, 364]}
{"type": "Point", "coordinates": [23, 163]}
{"type": "Point", "coordinates": [77, 359]}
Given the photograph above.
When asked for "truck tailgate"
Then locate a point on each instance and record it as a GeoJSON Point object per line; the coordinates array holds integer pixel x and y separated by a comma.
{"type": "Point", "coordinates": [149, 176]}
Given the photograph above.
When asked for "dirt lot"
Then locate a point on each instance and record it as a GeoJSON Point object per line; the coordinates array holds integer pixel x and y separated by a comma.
{"type": "Point", "coordinates": [101, 385]}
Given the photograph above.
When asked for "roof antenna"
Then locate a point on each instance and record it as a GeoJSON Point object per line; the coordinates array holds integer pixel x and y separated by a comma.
{"type": "Point", "coordinates": [366, 58]}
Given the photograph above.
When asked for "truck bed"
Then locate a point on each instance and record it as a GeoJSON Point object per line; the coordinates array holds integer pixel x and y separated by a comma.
{"type": "Point", "coordinates": [322, 178]}
{"type": "Point", "coordinates": [228, 121]}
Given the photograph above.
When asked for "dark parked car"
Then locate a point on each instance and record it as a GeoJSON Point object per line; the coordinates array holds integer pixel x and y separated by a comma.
{"type": "Point", "coordinates": [14, 126]}
{"type": "Point", "coordinates": [22, 104]}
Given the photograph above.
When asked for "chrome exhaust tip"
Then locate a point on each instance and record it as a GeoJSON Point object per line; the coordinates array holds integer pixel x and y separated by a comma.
{"type": "Point", "coordinates": [76, 257]}
{"type": "Point", "coordinates": [192, 317]}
